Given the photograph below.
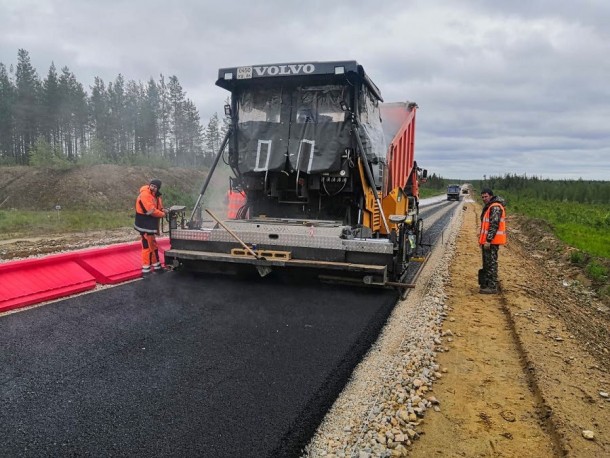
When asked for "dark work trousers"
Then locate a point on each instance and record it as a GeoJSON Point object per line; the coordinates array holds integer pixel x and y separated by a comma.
{"type": "Point", "coordinates": [490, 266]}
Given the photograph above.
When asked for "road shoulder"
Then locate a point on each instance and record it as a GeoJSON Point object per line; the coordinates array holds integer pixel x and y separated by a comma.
{"type": "Point", "coordinates": [516, 381]}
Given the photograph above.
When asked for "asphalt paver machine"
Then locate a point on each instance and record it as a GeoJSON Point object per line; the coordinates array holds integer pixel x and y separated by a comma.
{"type": "Point", "coordinates": [328, 173]}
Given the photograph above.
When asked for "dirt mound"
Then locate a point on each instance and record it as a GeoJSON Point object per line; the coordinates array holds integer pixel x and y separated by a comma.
{"type": "Point", "coordinates": [102, 187]}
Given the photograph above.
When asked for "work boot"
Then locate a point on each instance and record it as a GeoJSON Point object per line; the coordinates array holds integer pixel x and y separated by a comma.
{"type": "Point", "coordinates": [488, 290]}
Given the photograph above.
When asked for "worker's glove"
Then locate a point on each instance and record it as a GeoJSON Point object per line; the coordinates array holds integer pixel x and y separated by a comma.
{"type": "Point", "coordinates": [487, 245]}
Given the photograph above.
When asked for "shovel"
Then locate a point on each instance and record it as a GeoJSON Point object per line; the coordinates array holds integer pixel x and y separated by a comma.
{"type": "Point", "coordinates": [262, 270]}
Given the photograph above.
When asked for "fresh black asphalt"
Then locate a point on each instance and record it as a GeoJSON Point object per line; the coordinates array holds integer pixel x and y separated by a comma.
{"type": "Point", "coordinates": [182, 365]}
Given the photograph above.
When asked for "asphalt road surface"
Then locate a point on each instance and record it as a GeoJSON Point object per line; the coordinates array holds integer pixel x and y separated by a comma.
{"type": "Point", "coordinates": [185, 365]}
{"type": "Point", "coordinates": [178, 365]}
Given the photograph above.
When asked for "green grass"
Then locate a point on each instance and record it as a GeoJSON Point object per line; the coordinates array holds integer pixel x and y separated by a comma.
{"type": "Point", "coordinates": [429, 192]}
{"type": "Point", "coordinates": [19, 223]}
{"type": "Point", "coordinates": [31, 223]}
{"type": "Point", "coordinates": [583, 226]}
{"type": "Point", "coordinates": [579, 225]}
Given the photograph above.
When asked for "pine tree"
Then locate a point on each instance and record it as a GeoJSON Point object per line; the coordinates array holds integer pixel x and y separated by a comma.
{"type": "Point", "coordinates": [27, 107]}
{"type": "Point", "coordinates": [72, 112]}
{"type": "Point", "coordinates": [164, 117]}
{"type": "Point", "coordinates": [176, 101]}
{"type": "Point", "coordinates": [116, 100]}
{"type": "Point", "coordinates": [117, 121]}
{"type": "Point", "coordinates": [81, 118]}
{"type": "Point", "coordinates": [7, 117]}
{"type": "Point", "coordinates": [132, 119]}
{"type": "Point", "coordinates": [193, 135]}
{"type": "Point", "coordinates": [150, 119]}
{"type": "Point", "coordinates": [51, 105]}
{"type": "Point", "coordinates": [212, 138]}
{"type": "Point", "coordinates": [99, 112]}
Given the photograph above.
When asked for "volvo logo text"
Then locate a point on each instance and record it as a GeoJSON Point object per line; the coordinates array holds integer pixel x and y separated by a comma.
{"type": "Point", "coordinates": [281, 70]}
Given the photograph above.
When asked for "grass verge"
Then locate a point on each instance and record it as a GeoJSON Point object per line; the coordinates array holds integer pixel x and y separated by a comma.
{"type": "Point", "coordinates": [585, 227]}
{"type": "Point", "coordinates": [19, 223]}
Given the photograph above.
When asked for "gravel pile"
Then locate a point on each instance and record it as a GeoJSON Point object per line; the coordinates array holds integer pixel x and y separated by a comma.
{"type": "Point", "coordinates": [379, 413]}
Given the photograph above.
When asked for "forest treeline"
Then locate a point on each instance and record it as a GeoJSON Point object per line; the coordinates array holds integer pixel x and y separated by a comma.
{"type": "Point", "coordinates": [56, 120]}
{"type": "Point", "coordinates": [522, 186]}
{"type": "Point", "coordinates": [581, 191]}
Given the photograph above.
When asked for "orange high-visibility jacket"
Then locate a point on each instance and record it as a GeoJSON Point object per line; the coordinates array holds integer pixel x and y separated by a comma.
{"type": "Point", "coordinates": [148, 211]}
{"type": "Point", "coordinates": [236, 201]}
{"type": "Point", "coordinates": [500, 237]}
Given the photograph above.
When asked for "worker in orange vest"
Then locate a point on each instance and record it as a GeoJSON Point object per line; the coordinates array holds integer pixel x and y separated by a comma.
{"type": "Point", "coordinates": [236, 199]}
{"type": "Point", "coordinates": [149, 210]}
{"type": "Point", "coordinates": [492, 235]}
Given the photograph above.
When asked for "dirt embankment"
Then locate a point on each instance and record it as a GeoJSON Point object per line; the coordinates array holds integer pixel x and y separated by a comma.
{"type": "Point", "coordinates": [99, 187]}
{"type": "Point", "coordinates": [102, 187]}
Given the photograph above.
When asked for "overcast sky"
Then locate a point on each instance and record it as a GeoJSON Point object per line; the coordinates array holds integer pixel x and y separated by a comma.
{"type": "Point", "coordinates": [503, 87]}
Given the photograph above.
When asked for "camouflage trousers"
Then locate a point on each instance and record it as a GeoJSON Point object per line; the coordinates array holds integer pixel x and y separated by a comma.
{"type": "Point", "coordinates": [490, 267]}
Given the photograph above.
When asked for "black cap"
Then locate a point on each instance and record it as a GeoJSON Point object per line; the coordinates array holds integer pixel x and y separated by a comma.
{"type": "Point", "coordinates": [487, 191]}
{"type": "Point", "coordinates": [156, 182]}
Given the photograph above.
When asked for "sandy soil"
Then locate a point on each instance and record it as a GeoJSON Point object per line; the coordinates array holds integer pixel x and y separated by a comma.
{"type": "Point", "coordinates": [527, 370]}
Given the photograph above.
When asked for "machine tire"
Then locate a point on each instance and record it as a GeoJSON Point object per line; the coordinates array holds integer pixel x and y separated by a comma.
{"type": "Point", "coordinates": [403, 292]}
{"type": "Point", "coordinates": [419, 231]}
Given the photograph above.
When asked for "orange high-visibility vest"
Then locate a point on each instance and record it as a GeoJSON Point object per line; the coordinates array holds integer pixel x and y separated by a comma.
{"type": "Point", "coordinates": [500, 237]}
{"type": "Point", "coordinates": [236, 201]}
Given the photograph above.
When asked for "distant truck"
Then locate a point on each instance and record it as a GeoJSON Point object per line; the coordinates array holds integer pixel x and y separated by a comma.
{"type": "Point", "coordinates": [453, 192]}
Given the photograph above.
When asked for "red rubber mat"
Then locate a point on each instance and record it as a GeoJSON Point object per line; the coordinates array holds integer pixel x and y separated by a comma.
{"type": "Point", "coordinates": [32, 281]}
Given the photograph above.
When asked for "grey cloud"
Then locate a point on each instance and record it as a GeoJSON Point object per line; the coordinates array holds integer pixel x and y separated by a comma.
{"type": "Point", "coordinates": [518, 85]}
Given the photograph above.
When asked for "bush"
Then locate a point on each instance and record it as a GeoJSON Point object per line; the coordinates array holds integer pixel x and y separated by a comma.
{"type": "Point", "coordinates": [44, 155]}
{"type": "Point", "coordinates": [596, 271]}
{"type": "Point", "coordinates": [94, 154]}
{"type": "Point", "coordinates": [578, 257]}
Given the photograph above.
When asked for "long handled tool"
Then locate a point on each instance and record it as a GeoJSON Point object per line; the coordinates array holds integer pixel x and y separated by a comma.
{"type": "Point", "coordinates": [234, 235]}
{"type": "Point", "coordinates": [262, 270]}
